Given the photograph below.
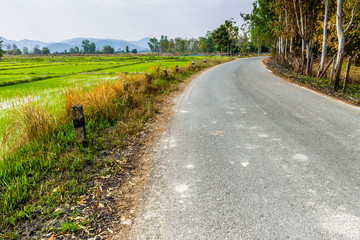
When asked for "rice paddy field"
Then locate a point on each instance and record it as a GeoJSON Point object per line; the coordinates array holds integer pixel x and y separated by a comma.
{"type": "Point", "coordinates": [47, 77]}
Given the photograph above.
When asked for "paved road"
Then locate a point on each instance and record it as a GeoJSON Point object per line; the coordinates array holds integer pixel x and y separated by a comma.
{"type": "Point", "coordinates": [250, 156]}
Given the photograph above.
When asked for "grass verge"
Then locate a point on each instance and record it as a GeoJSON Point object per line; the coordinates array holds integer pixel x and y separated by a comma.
{"type": "Point", "coordinates": [45, 174]}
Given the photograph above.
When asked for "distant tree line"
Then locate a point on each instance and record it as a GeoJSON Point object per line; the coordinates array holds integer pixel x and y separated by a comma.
{"type": "Point", "coordinates": [226, 40]}
{"type": "Point", "coordinates": [87, 47]}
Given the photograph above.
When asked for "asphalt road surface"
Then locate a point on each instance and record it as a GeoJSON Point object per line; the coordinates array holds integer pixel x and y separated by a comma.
{"type": "Point", "coordinates": [250, 156]}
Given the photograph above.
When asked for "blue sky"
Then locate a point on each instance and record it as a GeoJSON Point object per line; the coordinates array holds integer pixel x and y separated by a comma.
{"type": "Point", "coordinates": [57, 20]}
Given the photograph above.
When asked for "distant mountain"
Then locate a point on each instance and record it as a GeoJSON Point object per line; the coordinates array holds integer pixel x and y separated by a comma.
{"type": "Point", "coordinates": [140, 45]}
{"type": "Point", "coordinates": [142, 42]}
{"type": "Point", "coordinates": [24, 43]}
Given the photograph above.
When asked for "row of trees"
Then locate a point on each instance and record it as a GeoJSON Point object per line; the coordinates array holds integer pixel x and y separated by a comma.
{"type": "Point", "coordinates": [177, 45]}
{"type": "Point", "coordinates": [226, 39]}
{"type": "Point", "coordinates": [302, 30]}
{"type": "Point", "coordinates": [14, 50]}
{"type": "Point", "coordinates": [87, 47]}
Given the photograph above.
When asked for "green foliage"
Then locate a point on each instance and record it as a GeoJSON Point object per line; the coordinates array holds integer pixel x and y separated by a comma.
{"type": "Point", "coordinates": [164, 44]}
{"type": "Point", "coordinates": [92, 48]}
{"type": "Point", "coordinates": [207, 44]}
{"type": "Point", "coordinates": [74, 50]}
{"type": "Point", "coordinates": [260, 23]}
{"type": "Point", "coordinates": [108, 49]}
{"type": "Point", "coordinates": [153, 44]}
{"type": "Point", "coordinates": [36, 50]}
{"type": "Point", "coordinates": [85, 45]}
{"type": "Point", "coordinates": [221, 36]}
{"type": "Point", "coordinates": [45, 51]}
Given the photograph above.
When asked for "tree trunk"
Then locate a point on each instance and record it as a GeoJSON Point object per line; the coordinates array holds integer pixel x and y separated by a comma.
{"type": "Point", "coordinates": [228, 46]}
{"type": "Point", "coordinates": [301, 68]}
{"type": "Point", "coordinates": [347, 75]}
{"type": "Point", "coordinates": [308, 57]}
{"type": "Point", "coordinates": [324, 50]}
{"type": "Point", "coordinates": [341, 39]}
{"type": "Point", "coordinates": [341, 44]}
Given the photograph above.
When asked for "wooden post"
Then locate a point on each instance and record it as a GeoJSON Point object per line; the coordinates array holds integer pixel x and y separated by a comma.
{"type": "Point", "coordinates": [333, 70]}
{"type": "Point", "coordinates": [326, 68]}
{"type": "Point", "coordinates": [148, 78]}
{"type": "Point", "coordinates": [165, 73]}
{"type": "Point", "coordinates": [347, 74]}
{"type": "Point", "coordinates": [126, 88]}
{"type": "Point", "coordinates": [79, 124]}
{"type": "Point", "coordinates": [177, 69]}
{"type": "Point", "coordinates": [193, 65]}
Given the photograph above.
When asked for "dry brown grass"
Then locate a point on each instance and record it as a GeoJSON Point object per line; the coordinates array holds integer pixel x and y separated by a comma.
{"type": "Point", "coordinates": [30, 121]}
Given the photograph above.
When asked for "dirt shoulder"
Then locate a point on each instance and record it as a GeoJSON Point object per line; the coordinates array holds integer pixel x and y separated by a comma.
{"type": "Point", "coordinates": [126, 193]}
{"type": "Point", "coordinates": [289, 76]}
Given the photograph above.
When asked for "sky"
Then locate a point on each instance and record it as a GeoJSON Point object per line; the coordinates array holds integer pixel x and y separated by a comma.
{"type": "Point", "coordinates": [58, 20]}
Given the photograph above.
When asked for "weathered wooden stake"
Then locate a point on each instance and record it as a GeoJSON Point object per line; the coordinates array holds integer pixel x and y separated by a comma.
{"type": "Point", "coordinates": [324, 73]}
{"type": "Point", "coordinates": [347, 74]}
{"type": "Point", "coordinates": [79, 124]}
{"type": "Point", "coordinates": [126, 88]}
{"type": "Point", "coordinates": [165, 73]}
{"type": "Point", "coordinates": [148, 78]}
{"type": "Point", "coordinates": [177, 69]}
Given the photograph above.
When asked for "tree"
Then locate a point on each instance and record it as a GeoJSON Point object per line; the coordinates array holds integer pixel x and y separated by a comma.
{"type": "Point", "coordinates": [8, 48]}
{"type": "Point", "coordinates": [306, 13]}
{"type": "Point", "coordinates": [324, 49]}
{"type": "Point", "coordinates": [37, 50]}
{"type": "Point", "coordinates": [341, 38]}
{"type": "Point", "coordinates": [85, 45]}
{"type": "Point", "coordinates": [15, 50]}
{"type": "Point", "coordinates": [92, 48]}
{"type": "Point", "coordinates": [181, 45]}
{"type": "Point", "coordinates": [153, 44]}
{"type": "Point", "coordinates": [221, 37]}
{"type": "Point", "coordinates": [25, 50]}
{"type": "Point", "coordinates": [193, 45]}
{"type": "Point", "coordinates": [108, 49]}
{"type": "Point", "coordinates": [164, 44]}
{"type": "Point", "coordinates": [45, 51]}
{"type": "Point", "coordinates": [233, 32]}
{"type": "Point", "coordinates": [127, 49]}
{"type": "Point", "coordinates": [207, 44]}
{"type": "Point", "coordinates": [134, 51]}
{"type": "Point", "coordinates": [260, 23]}
{"type": "Point", "coordinates": [1, 50]}
{"type": "Point", "coordinates": [74, 50]}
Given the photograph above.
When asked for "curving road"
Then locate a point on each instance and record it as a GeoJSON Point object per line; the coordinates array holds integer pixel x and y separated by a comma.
{"type": "Point", "coordinates": [250, 156]}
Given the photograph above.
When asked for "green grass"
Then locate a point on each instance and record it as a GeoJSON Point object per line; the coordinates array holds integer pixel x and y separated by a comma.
{"type": "Point", "coordinates": [46, 77]}
{"type": "Point", "coordinates": [49, 170]}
